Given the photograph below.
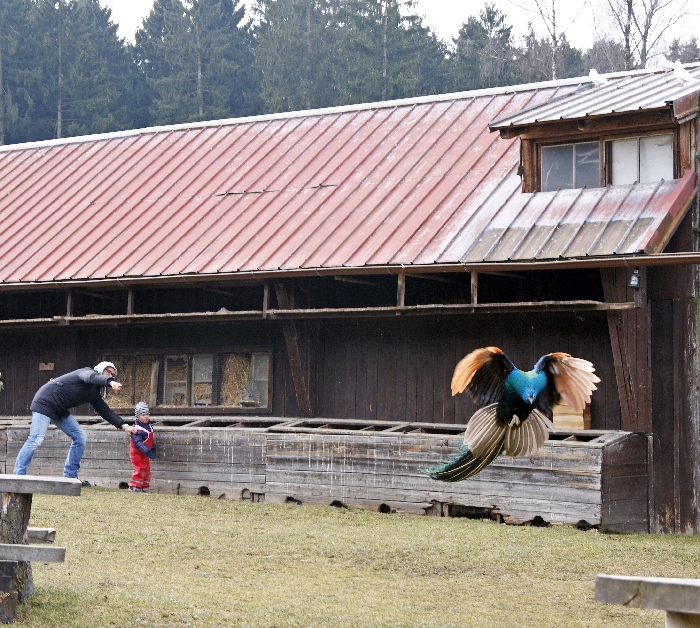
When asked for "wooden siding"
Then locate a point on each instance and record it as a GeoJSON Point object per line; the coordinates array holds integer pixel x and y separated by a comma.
{"type": "Point", "coordinates": [369, 466]}
{"type": "Point", "coordinates": [675, 479]}
{"type": "Point", "coordinates": [375, 369]}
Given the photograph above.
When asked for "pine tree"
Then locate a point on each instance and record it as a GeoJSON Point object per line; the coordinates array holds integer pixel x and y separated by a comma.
{"type": "Point", "coordinates": [388, 53]}
{"type": "Point", "coordinates": [484, 53]}
{"type": "Point", "coordinates": [296, 53]}
{"type": "Point", "coordinates": [82, 72]}
{"type": "Point", "coordinates": [198, 60]}
{"type": "Point", "coordinates": [15, 72]}
{"type": "Point", "coordinates": [97, 72]}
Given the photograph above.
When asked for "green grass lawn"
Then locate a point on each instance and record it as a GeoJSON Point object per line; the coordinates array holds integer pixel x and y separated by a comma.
{"type": "Point", "coordinates": [162, 560]}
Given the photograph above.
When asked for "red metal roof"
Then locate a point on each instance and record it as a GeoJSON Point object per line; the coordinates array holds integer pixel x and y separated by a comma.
{"type": "Point", "coordinates": [621, 93]}
{"type": "Point", "coordinates": [410, 182]}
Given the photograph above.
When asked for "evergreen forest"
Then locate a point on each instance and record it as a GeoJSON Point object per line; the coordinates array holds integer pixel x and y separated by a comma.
{"type": "Point", "coordinates": [64, 71]}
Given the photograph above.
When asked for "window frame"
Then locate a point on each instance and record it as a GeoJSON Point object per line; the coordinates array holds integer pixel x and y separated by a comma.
{"type": "Point", "coordinates": [531, 152]}
{"type": "Point", "coordinates": [190, 352]}
{"type": "Point", "coordinates": [601, 156]}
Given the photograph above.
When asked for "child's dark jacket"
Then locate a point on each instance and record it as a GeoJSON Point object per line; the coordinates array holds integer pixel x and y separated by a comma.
{"type": "Point", "coordinates": [143, 439]}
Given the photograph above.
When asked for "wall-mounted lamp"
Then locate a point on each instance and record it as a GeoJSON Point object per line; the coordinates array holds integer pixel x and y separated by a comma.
{"type": "Point", "coordinates": [634, 280]}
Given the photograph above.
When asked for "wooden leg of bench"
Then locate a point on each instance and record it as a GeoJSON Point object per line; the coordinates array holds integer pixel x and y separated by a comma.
{"type": "Point", "coordinates": [8, 591]}
{"type": "Point", "coordinates": [8, 607]}
{"type": "Point", "coordinates": [682, 620]}
{"type": "Point", "coordinates": [14, 517]}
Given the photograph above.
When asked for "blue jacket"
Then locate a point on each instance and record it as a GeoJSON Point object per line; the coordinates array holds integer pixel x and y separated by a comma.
{"type": "Point", "coordinates": [55, 398]}
{"type": "Point", "coordinates": [143, 439]}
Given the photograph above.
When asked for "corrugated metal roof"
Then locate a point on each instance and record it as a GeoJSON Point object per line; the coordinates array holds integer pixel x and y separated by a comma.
{"type": "Point", "coordinates": [421, 181]}
{"type": "Point", "coordinates": [621, 94]}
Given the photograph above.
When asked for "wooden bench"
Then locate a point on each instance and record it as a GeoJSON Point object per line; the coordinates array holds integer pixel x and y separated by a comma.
{"type": "Point", "coordinates": [16, 554]}
{"type": "Point", "coordinates": [679, 597]}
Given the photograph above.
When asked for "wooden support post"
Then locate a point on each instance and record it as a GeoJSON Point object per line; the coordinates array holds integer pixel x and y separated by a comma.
{"type": "Point", "coordinates": [475, 288]}
{"type": "Point", "coordinates": [629, 339]}
{"type": "Point", "coordinates": [266, 299]}
{"type": "Point", "coordinates": [292, 341]}
{"type": "Point", "coordinates": [130, 301]}
{"type": "Point", "coordinates": [401, 290]}
{"type": "Point", "coordinates": [69, 304]}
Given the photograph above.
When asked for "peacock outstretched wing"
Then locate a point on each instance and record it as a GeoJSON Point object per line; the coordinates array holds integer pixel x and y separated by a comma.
{"type": "Point", "coordinates": [569, 379]}
{"type": "Point", "coordinates": [482, 373]}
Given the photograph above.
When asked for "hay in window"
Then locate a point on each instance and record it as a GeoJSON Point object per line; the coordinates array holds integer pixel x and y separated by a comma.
{"type": "Point", "coordinates": [123, 398]}
{"type": "Point", "coordinates": [146, 380]}
{"type": "Point", "coordinates": [202, 394]}
{"type": "Point", "coordinates": [235, 374]}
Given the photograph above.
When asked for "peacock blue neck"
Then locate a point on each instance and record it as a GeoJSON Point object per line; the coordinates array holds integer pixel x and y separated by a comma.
{"type": "Point", "coordinates": [526, 384]}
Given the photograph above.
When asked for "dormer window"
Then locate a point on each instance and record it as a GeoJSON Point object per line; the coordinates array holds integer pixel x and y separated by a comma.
{"type": "Point", "coordinates": [606, 161]}
{"type": "Point", "coordinates": [569, 166]}
{"type": "Point", "coordinates": [643, 159]}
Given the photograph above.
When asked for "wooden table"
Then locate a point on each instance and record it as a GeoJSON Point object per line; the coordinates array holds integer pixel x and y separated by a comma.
{"type": "Point", "coordinates": [679, 597]}
{"type": "Point", "coordinates": [16, 554]}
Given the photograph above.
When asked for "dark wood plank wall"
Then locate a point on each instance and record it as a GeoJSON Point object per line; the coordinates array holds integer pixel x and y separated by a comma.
{"type": "Point", "coordinates": [630, 340]}
{"type": "Point", "coordinates": [395, 369]}
{"type": "Point", "coordinates": [675, 478]}
{"type": "Point", "coordinates": [400, 369]}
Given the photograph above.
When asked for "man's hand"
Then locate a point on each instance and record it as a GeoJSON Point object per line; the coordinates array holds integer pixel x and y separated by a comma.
{"type": "Point", "coordinates": [116, 386]}
{"type": "Point", "coordinates": [129, 429]}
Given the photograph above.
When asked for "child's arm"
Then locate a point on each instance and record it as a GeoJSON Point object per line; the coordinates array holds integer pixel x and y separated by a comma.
{"type": "Point", "coordinates": [138, 439]}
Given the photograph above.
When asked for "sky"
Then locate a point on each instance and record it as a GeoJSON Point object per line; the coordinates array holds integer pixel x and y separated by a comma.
{"type": "Point", "coordinates": [577, 17]}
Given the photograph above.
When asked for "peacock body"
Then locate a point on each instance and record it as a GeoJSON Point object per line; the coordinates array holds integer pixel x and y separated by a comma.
{"type": "Point", "coordinates": [515, 406]}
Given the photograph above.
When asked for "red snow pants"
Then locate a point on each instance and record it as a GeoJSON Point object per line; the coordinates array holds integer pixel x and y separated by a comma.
{"type": "Point", "coordinates": [141, 477]}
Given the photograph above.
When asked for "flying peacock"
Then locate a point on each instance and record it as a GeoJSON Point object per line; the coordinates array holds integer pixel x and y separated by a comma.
{"type": "Point", "coordinates": [515, 407]}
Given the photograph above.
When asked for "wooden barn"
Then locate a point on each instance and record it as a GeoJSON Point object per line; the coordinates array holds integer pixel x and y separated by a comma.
{"type": "Point", "coordinates": [290, 294]}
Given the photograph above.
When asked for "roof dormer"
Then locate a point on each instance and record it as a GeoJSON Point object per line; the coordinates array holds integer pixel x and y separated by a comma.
{"type": "Point", "coordinates": [619, 130]}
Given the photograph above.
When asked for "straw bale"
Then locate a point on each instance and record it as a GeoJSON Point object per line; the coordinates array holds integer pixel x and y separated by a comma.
{"type": "Point", "coordinates": [144, 364]}
{"type": "Point", "coordinates": [124, 398]}
{"type": "Point", "coordinates": [234, 376]}
{"type": "Point", "coordinates": [202, 393]}
{"type": "Point", "coordinates": [176, 369]}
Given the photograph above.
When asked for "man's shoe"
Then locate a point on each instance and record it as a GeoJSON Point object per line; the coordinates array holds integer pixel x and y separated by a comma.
{"type": "Point", "coordinates": [85, 483]}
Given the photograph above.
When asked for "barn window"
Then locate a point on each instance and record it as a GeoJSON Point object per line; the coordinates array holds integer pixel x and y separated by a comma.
{"type": "Point", "coordinates": [641, 159]}
{"type": "Point", "coordinates": [568, 166]}
{"type": "Point", "coordinates": [606, 161]}
{"type": "Point", "coordinates": [232, 379]}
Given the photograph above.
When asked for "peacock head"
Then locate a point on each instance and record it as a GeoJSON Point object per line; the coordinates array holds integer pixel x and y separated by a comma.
{"type": "Point", "coordinates": [527, 385]}
{"type": "Point", "coordinates": [529, 394]}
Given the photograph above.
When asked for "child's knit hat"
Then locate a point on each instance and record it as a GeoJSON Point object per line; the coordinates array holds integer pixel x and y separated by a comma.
{"type": "Point", "coordinates": [141, 409]}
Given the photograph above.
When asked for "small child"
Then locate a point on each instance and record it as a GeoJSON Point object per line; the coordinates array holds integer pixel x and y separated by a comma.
{"type": "Point", "coordinates": [142, 449]}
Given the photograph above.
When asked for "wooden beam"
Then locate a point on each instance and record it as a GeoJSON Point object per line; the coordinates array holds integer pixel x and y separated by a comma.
{"type": "Point", "coordinates": [99, 295]}
{"type": "Point", "coordinates": [363, 282]}
{"type": "Point", "coordinates": [429, 277]}
{"type": "Point", "coordinates": [69, 304]}
{"type": "Point", "coordinates": [44, 484]}
{"type": "Point", "coordinates": [130, 301]}
{"type": "Point", "coordinates": [474, 288]}
{"type": "Point", "coordinates": [41, 535]}
{"type": "Point", "coordinates": [32, 553]}
{"type": "Point", "coordinates": [247, 315]}
{"type": "Point", "coordinates": [266, 299]}
{"type": "Point", "coordinates": [679, 597]}
{"type": "Point", "coordinates": [629, 339]}
{"type": "Point", "coordinates": [401, 290]}
{"type": "Point", "coordinates": [291, 339]}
